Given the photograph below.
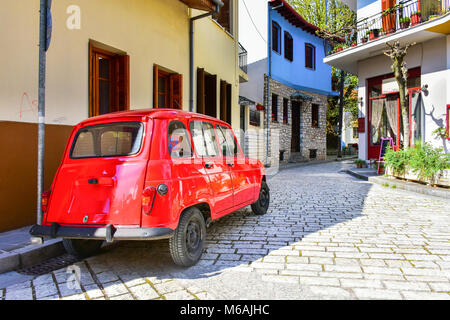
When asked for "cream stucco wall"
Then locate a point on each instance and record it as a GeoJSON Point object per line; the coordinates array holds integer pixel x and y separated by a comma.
{"type": "Point", "coordinates": [149, 31]}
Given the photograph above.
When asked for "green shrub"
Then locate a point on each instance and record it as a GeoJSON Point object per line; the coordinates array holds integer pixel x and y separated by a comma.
{"type": "Point", "coordinates": [424, 160]}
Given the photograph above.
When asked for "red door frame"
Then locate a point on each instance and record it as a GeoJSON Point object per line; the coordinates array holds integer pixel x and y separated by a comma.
{"type": "Point", "coordinates": [374, 151]}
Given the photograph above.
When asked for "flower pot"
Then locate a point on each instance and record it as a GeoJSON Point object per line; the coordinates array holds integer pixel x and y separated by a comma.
{"type": "Point", "coordinates": [404, 25]}
{"type": "Point", "coordinates": [389, 20]}
{"type": "Point", "coordinates": [339, 49]}
{"type": "Point", "coordinates": [359, 165]}
{"type": "Point", "coordinates": [363, 40]}
{"type": "Point", "coordinates": [373, 34]}
{"type": "Point", "coordinates": [354, 44]}
{"type": "Point", "coordinates": [415, 19]}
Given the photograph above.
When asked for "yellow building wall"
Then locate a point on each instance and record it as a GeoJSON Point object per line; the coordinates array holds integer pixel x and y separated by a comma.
{"type": "Point", "coordinates": [149, 31]}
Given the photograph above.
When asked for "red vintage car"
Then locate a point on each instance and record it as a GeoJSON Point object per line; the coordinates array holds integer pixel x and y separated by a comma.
{"type": "Point", "coordinates": [147, 175]}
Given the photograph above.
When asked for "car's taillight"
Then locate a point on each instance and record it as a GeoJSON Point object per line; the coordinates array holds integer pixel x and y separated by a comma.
{"type": "Point", "coordinates": [148, 198]}
{"type": "Point", "coordinates": [44, 200]}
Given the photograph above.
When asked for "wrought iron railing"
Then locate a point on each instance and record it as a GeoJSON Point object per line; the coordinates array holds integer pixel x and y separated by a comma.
{"type": "Point", "coordinates": [242, 58]}
{"type": "Point", "coordinates": [404, 15]}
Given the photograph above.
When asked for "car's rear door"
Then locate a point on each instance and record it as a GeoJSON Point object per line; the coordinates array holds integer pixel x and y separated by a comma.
{"type": "Point", "coordinates": [100, 182]}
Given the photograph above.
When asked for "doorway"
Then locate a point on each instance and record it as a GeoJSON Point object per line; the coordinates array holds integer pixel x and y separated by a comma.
{"type": "Point", "coordinates": [296, 114]}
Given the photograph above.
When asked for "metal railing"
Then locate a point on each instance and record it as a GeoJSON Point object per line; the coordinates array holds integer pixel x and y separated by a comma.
{"type": "Point", "coordinates": [402, 16]}
{"type": "Point", "coordinates": [242, 58]}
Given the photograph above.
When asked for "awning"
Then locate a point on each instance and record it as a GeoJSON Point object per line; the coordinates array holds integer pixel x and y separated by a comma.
{"type": "Point", "coordinates": [243, 101]}
{"type": "Point", "coordinates": [205, 5]}
{"type": "Point", "coordinates": [301, 96]}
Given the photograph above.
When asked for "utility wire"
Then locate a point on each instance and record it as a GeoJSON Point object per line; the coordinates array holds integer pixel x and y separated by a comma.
{"type": "Point", "coordinates": [253, 22]}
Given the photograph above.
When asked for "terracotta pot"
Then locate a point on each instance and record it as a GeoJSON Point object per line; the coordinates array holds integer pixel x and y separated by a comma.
{"type": "Point", "coordinates": [415, 19]}
{"type": "Point", "coordinates": [339, 49]}
{"type": "Point", "coordinates": [404, 25]}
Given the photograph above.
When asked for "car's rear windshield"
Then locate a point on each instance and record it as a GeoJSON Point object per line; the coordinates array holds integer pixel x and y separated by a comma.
{"type": "Point", "coordinates": [108, 140]}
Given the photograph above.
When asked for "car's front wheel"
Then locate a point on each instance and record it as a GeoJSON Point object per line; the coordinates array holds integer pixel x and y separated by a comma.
{"type": "Point", "coordinates": [261, 206]}
{"type": "Point", "coordinates": [186, 246]}
{"type": "Point", "coordinates": [82, 248]}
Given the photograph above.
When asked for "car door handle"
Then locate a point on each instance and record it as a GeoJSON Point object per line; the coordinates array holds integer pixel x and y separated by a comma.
{"type": "Point", "coordinates": [209, 166]}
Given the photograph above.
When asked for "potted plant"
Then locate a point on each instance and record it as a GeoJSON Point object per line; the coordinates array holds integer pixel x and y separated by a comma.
{"type": "Point", "coordinates": [364, 39]}
{"type": "Point", "coordinates": [389, 18]}
{"type": "Point", "coordinates": [374, 34]}
{"type": "Point", "coordinates": [353, 44]}
{"type": "Point", "coordinates": [340, 47]}
{"type": "Point", "coordinates": [360, 163]}
{"type": "Point", "coordinates": [404, 22]}
{"type": "Point", "coordinates": [440, 133]}
{"type": "Point", "coordinates": [415, 18]}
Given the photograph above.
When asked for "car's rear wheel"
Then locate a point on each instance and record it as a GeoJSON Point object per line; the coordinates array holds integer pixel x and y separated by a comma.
{"type": "Point", "coordinates": [82, 248]}
{"type": "Point", "coordinates": [261, 206]}
{"type": "Point", "coordinates": [186, 246]}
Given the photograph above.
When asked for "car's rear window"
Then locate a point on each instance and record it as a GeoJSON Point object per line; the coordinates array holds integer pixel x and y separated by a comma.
{"type": "Point", "coordinates": [108, 140]}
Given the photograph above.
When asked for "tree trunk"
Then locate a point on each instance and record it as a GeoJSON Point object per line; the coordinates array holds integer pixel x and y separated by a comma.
{"type": "Point", "coordinates": [404, 105]}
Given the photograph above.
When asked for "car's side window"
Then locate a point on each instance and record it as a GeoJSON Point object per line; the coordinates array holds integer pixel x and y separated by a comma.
{"type": "Point", "coordinates": [230, 141]}
{"type": "Point", "coordinates": [226, 151]}
{"type": "Point", "coordinates": [178, 140]}
{"type": "Point", "coordinates": [204, 139]}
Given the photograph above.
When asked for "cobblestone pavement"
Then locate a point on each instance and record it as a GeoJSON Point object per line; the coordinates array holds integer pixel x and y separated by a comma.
{"type": "Point", "coordinates": [326, 236]}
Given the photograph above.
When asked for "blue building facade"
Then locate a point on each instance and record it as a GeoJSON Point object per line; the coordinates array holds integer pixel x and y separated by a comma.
{"type": "Point", "coordinates": [297, 87]}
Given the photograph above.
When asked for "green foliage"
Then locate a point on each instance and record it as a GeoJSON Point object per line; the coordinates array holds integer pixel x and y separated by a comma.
{"type": "Point", "coordinates": [440, 133]}
{"type": "Point", "coordinates": [330, 15]}
{"type": "Point", "coordinates": [424, 160]}
{"type": "Point", "coordinates": [405, 19]}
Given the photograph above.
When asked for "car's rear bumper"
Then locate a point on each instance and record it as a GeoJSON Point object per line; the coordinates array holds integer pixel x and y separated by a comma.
{"type": "Point", "coordinates": [108, 233]}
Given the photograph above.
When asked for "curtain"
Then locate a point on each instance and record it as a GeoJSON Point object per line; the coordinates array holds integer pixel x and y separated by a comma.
{"type": "Point", "coordinates": [376, 117]}
{"type": "Point", "coordinates": [417, 119]}
{"type": "Point", "coordinates": [391, 112]}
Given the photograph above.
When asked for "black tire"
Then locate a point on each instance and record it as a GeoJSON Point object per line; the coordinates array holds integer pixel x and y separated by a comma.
{"type": "Point", "coordinates": [82, 248]}
{"type": "Point", "coordinates": [260, 207]}
{"type": "Point", "coordinates": [188, 241]}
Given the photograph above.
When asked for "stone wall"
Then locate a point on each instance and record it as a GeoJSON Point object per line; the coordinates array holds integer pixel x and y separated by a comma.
{"type": "Point", "coordinates": [311, 138]}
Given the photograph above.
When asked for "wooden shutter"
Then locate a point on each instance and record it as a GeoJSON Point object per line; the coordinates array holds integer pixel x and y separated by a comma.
{"type": "Point", "coordinates": [308, 56]}
{"type": "Point", "coordinates": [155, 86]}
{"type": "Point", "coordinates": [201, 90]}
{"type": "Point", "coordinates": [123, 83]}
{"type": "Point", "coordinates": [176, 91]}
{"type": "Point", "coordinates": [223, 101]}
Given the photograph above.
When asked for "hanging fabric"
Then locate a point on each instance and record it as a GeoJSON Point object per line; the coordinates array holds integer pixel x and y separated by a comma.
{"type": "Point", "coordinates": [376, 117]}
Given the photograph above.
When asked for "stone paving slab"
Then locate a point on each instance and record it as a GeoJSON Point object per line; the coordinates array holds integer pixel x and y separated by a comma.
{"type": "Point", "coordinates": [327, 235]}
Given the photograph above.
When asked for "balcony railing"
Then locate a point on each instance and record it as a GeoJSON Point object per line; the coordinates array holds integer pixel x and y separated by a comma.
{"type": "Point", "coordinates": [402, 16]}
{"type": "Point", "coordinates": [242, 58]}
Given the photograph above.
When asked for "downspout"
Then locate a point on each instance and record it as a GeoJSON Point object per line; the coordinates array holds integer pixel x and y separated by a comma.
{"type": "Point", "coordinates": [44, 5]}
{"type": "Point", "coordinates": [268, 80]}
{"type": "Point", "coordinates": [219, 4]}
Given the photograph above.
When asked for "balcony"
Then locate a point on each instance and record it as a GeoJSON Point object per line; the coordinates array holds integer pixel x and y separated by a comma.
{"type": "Point", "coordinates": [243, 77]}
{"type": "Point", "coordinates": [408, 21]}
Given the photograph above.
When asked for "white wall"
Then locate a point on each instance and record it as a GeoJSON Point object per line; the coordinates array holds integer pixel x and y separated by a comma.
{"type": "Point", "coordinates": [433, 58]}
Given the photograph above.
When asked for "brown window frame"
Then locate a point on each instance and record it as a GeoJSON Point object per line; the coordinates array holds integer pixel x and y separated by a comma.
{"type": "Point", "coordinates": [225, 16]}
{"type": "Point", "coordinates": [119, 78]}
{"type": "Point", "coordinates": [311, 62]}
{"type": "Point", "coordinates": [173, 93]}
{"type": "Point", "coordinates": [288, 46]}
{"type": "Point", "coordinates": [276, 26]}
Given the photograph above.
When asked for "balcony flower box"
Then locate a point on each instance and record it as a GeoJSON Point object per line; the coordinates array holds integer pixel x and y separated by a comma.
{"type": "Point", "coordinates": [415, 18]}
{"type": "Point", "coordinates": [441, 179]}
{"type": "Point", "coordinates": [260, 107]}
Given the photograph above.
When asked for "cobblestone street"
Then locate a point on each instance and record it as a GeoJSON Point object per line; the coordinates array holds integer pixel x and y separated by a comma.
{"type": "Point", "coordinates": [327, 235]}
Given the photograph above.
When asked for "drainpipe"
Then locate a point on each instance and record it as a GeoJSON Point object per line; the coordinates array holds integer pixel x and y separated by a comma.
{"type": "Point", "coordinates": [44, 4]}
{"type": "Point", "coordinates": [219, 4]}
{"type": "Point", "coordinates": [268, 80]}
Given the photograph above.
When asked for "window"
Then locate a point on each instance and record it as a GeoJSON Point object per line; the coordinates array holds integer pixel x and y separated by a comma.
{"type": "Point", "coordinates": [109, 81]}
{"type": "Point", "coordinates": [178, 141]}
{"type": "Point", "coordinates": [110, 140]}
{"type": "Point", "coordinates": [204, 139]}
{"type": "Point", "coordinates": [285, 110]}
{"type": "Point", "coordinates": [227, 142]}
{"type": "Point", "coordinates": [274, 108]}
{"type": "Point", "coordinates": [225, 16]}
{"type": "Point", "coordinates": [167, 89]}
{"type": "Point", "coordinates": [315, 115]}
{"type": "Point", "coordinates": [206, 93]}
{"type": "Point", "coordinates": [225, 101]}
{"type": "Point", "coordinates": [276, 37]}
{"type": "Point", "coordinates": [255, 118]}
{"type": "Point", "coordinates": [310, 56]}
{"type": "Point", "coordinates": [355, 133]}
{"type": "Point", "coordinates": [288, 46]}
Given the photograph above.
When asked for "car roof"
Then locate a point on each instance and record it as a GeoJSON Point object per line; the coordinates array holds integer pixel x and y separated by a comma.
{"type": "Point", "coordinates": [150, 114]}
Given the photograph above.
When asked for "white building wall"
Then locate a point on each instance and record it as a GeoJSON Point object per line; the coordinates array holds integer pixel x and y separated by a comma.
{"type": "Point", "coordinates": [433, 58]}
